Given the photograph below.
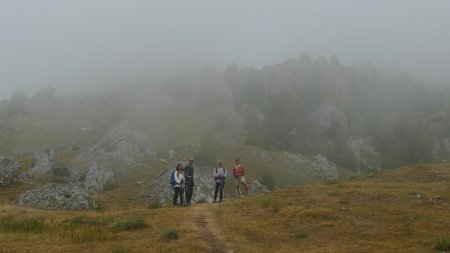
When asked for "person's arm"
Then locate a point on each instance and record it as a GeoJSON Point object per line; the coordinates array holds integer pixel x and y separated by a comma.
{"type": "Point", "coordinates": [215, 173]}
{"type": "Point", "coordinates": [225, 172]}
{"type": "Point", "coordinates": [243, 171]}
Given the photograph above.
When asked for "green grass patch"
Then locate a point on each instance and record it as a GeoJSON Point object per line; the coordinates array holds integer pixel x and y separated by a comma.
{"type": "Point", "coordinates": [130, 224]}
{"type": "Point", "coordinates": [170, 235]}
{"type": "Point", "coordinates": [442, 244]}
{"type": "Point", "coordinates": [23, 225]}
{"type": "Point", "coordinates": [266, 202]}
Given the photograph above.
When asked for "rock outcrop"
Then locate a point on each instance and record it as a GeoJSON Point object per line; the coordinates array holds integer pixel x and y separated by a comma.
{"type": "Point", "coordinates": [57, 197]}
{"type": "Point", "coordinates": [326, 169]}
{"type": "Point", "coordinates": [9, 171]}
{"type": "Point", "coordinates": [43, 160]}
{"type": "Point", "coordinates": [257, 187]}
{"type": "Point", "coordinates": [121, 144]}
{"type": "Point", "coordinates": [96, 178]}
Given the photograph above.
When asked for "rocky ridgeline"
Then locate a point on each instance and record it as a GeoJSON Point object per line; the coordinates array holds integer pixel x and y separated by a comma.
{"type": "Point", "coordinates": [9, 171]}
{"type": "Point", "coordinates": [121, 144]}
{"type": "Point", "coordinates": [57, 196]}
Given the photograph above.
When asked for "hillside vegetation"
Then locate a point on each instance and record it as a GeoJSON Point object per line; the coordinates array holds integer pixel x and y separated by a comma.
{"type": "Point", "coordinates": [356, 116]}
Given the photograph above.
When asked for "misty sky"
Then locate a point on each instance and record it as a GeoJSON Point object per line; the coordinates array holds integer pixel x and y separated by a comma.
{"type": "Point", "coordinates": [75, 44]}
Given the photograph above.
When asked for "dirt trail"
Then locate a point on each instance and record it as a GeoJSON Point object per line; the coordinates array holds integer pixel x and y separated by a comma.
{"type": "Point", "coordinates": [208, 229]}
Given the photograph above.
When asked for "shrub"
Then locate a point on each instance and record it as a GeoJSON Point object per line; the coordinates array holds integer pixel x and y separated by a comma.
{"type": "Point", "coordinates": [442, 244]}
{"type": "Point", "coordinates": [130, 224]}
{"type": "Point", "coordinates": [170, 235]}
{"type": "Point", "coordinates": [268, 181]}
{"type": "Point", "coordinates": [266, 202]}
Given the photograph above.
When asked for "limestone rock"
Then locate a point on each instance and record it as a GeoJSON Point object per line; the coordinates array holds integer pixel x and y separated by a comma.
{"type": "Point", "coordinates": [327, 169]}
{"type": "Point", "coordinates": [57, 197]}
{"type": "Point", "coordinates": [43, 160]}
{"type": "Point", "coordinates": [9, 171]}
{"type": "Point", "coordinates": [121, 144]}
{"type": "Point", "coordinates": [97, 178]}
{"type": "Point", "coordinates": [257, 187]}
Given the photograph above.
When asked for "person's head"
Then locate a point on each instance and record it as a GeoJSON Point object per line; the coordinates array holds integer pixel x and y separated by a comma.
{"type": "Point", "coordinates": [237, 161]}
{"type": "Point", "coordinates": [179, 167]}
{"type": "Point", "coordinates": [219, 163]}
{"type": "Point", "coordinates": [191, 161]}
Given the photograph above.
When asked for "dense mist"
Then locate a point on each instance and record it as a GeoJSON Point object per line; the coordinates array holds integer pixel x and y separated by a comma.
{"type": "Point", "coordinates": [79, 45]}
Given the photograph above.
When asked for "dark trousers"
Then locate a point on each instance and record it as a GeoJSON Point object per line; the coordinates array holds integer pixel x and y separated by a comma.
{"type": "Point", "coordinates": [219, 186]}
{"type": "Point", "coordinates": [189, 190]}
{"type": "Point", "coordinates": [178, 192]}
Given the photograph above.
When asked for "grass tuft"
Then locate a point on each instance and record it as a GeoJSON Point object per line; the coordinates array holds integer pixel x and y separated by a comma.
{"type": "Point", "coordinates": [442, 244]}
{"type": "Point", "coordinates": [171, 235]}
{"type": "Point", "coordinates": [24, 224]}
{"type": "Point", "coordinates": [130, 224]}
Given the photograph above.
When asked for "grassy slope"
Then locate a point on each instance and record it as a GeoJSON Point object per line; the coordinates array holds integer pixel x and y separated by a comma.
{"type": "Point", "coordinates": [379, 213]}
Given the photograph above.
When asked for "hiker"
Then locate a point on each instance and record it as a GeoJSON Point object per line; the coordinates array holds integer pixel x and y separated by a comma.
{"type": "Point", "coordinates": [189, 176]}
{"type": "Point", "coordinates": [179, 181]}
{"type": "Point", "coordinates": [220, 174]}
{"type": "Point", "coordinates": [239, 173]}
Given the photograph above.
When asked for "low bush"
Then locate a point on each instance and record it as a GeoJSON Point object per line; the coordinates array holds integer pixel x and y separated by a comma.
{"type": "Point", "coordinates": [171, 235]}
{"type": "Point", "coordinates": [130, 224]}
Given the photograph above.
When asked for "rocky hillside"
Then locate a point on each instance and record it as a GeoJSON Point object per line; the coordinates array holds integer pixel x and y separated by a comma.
{"type": "Point", "coordinates": [296, 122]}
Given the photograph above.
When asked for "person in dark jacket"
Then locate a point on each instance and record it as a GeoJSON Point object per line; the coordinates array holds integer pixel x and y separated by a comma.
{"type": "Point", "coordinates": [189, 178]}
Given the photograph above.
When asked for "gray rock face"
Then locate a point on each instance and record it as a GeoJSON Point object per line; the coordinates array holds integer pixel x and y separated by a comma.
{"type": "Point", "coordinates": [327, 169]}
{"type": "Point", "coordinates": [43, 160]}
{"type": "Point", "coordinates": [57, 197]}
{"type": "Point", "coordinates": [121, 144]}
{"type": "Point", "coordinates": [257, 187]}
{"type": "Point", "coordinates": [97, 178]}
{"type": "Point", "coordinates": [9, 171]}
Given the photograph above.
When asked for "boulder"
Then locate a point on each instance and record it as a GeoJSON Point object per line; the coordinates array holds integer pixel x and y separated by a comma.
{"type": "Point", "coordinates": [9, 171]}
{"type": "Point", "coordinates": [325, 168]}
{"type": "Point", "coordinates": [257, 187]}
{"type": "Point", "coordinates": [57, 197]}
{"type": "Point", "coordinates": [43, 160]}
{"type": "Point", "coordinates": [121, 144]}
{"type": "Point", "coordinates": [97, 178]}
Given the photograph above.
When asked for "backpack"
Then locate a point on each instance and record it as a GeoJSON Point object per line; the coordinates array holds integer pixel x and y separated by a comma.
{"type": "Point", "coordinates": [173, 182]}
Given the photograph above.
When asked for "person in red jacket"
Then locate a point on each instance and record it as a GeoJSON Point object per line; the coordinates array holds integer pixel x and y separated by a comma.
{"type": "Point", "coordinates": [239, 173]}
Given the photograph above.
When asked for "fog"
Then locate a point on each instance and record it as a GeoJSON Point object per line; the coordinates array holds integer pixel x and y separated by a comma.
{"type": "Point", "coordinates": [77, 45]}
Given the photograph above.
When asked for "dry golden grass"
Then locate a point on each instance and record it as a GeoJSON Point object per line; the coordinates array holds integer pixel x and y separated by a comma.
{"type": "Point", "coordinates": [378, 213]}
